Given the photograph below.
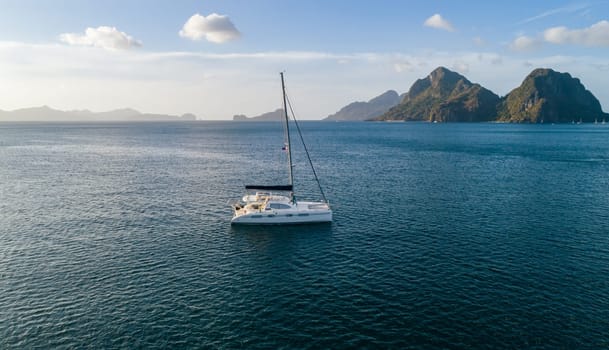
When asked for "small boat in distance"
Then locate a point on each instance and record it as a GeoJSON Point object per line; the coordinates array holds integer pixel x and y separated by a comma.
{"type": "Point", "coordinates": [277, 204]}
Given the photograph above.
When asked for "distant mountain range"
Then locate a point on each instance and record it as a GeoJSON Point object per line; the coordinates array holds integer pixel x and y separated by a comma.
{"type": "Point", "coordinates": [354, 111]}
{"type": "Point", "coordinates": [46, 113]}
{"type": "Point", "coordinates": [545, 96]}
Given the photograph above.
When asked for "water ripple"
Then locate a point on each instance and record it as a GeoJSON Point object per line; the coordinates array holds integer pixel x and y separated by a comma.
{"type": "Point", "coordinates": [445, 236]}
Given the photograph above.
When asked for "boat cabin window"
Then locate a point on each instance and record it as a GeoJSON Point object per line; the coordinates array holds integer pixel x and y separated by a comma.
{"type": "Point", "coordinates": [278, 206]}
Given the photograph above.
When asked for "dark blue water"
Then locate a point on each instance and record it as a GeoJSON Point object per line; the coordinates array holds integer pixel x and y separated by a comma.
{"type": "Point", "coordinates": [445, 236]}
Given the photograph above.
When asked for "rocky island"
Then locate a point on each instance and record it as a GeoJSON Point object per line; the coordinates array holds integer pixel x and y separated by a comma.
{"type": "Point", "coordinates": [445, 96]}
{"type": "Point", "coordinates": [547, 96]}
{"type": "Point", "coordinates": [264, 117]}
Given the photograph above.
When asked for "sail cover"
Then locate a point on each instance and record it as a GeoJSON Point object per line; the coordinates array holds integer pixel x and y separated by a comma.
{"type": "Point", "coordinates": [269, 187]}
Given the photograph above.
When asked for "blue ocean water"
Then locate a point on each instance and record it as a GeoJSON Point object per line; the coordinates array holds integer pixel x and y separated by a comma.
{"type": "Point", "coordinates": [445, 236]}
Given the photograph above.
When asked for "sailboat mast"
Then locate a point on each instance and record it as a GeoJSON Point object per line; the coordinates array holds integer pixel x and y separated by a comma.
{"type": "Point", "coordinates": [287, 132]}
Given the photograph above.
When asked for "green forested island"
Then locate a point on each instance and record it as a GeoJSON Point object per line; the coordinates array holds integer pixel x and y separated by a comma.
{"type": "Point", "coordinates": [444, 96]}
{"type": "Point", "coordinates": [549, 96]}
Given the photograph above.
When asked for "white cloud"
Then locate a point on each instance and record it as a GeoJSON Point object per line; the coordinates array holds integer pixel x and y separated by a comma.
{"type": "Point", "coordinates": [460, 66]}
{"type": "Point", "coordinates": [403, 66]}
{"type": "Point", "coordinates": [497, 60]}
{"type": "Point", "coordinates": [104, 37]}
{"type": "Point", "coordinates": [524, 43]}
{"type": "Point", "coordinates": [597, 35]}
{"type": "Point", "coordinates": [214, 28]}
{"type": "Point", "coordinates": [436, 21]}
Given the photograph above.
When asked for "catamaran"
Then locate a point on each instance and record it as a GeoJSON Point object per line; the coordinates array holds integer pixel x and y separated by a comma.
{"type": "Point", "coordinates": [277, 204]}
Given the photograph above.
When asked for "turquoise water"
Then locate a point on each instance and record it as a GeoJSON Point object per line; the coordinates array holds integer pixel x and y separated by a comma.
{"type": "Point", "coordinates": [445, 236]}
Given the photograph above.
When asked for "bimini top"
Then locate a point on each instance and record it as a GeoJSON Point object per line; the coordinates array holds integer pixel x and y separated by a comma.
{"type": "Point", "coordinates": [269, 187]}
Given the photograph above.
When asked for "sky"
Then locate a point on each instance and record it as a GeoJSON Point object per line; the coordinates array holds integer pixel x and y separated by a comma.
{"type": "Point", "coordinates": [218, 58]}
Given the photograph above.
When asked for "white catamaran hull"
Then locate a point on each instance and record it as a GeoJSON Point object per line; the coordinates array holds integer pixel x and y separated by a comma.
{"type": "Point", "coordinates": [300, 213]}
{"type": "Point", "coordinates": [281, 219]}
